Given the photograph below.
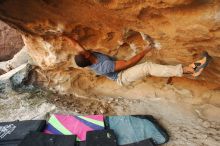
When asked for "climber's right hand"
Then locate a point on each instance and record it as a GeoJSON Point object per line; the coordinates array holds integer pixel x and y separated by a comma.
{"type": "Point", "coordinates": [73, 37]}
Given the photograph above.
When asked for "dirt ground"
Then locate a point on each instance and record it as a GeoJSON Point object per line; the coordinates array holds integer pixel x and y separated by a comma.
{"type": "Point", "coordinates": [188, 124]}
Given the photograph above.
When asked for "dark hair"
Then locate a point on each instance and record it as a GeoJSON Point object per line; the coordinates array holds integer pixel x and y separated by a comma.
{"type": "Point", "coordinates": [81, 61]}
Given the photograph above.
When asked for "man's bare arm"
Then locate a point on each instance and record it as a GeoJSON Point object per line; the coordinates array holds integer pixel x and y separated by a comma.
{"type": "Point", "coordinates": [75, 44]}
{"type": "Point", "coordinates": [124, 64]}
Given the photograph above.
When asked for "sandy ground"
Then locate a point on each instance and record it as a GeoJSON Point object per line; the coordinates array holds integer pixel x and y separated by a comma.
{"type": "Point", "coordinates": [188, 124]}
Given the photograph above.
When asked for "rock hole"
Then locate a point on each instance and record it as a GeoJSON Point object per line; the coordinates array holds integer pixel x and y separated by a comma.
{"type": "Point", "coordinates": [85, 33]}
{"type": "Point", "coordinates": [140, 39]}
{"type": "Point", "coordinates": [103, 1]}
{"type": "Point", "coordinates": [149, 13]}
{"type": "Point", "coordinates": [110, 36]}
{"type": "Point", "coordinates": [51, 2]}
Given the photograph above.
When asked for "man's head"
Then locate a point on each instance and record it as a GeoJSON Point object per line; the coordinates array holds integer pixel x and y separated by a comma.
{"type": "Point", "coordinates": [83, 59]}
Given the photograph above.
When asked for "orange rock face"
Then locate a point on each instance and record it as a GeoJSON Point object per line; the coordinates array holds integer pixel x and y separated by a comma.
{"type": "Point", "coordinates": [182, 29]}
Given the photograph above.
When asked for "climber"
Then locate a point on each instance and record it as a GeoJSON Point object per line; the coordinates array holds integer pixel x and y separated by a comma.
{"type": "Point", "coordinates": [126, 71]}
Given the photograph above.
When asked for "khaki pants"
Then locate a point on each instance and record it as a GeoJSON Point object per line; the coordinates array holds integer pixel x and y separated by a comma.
{"type": "Point", "coordinates": [140, 71]}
